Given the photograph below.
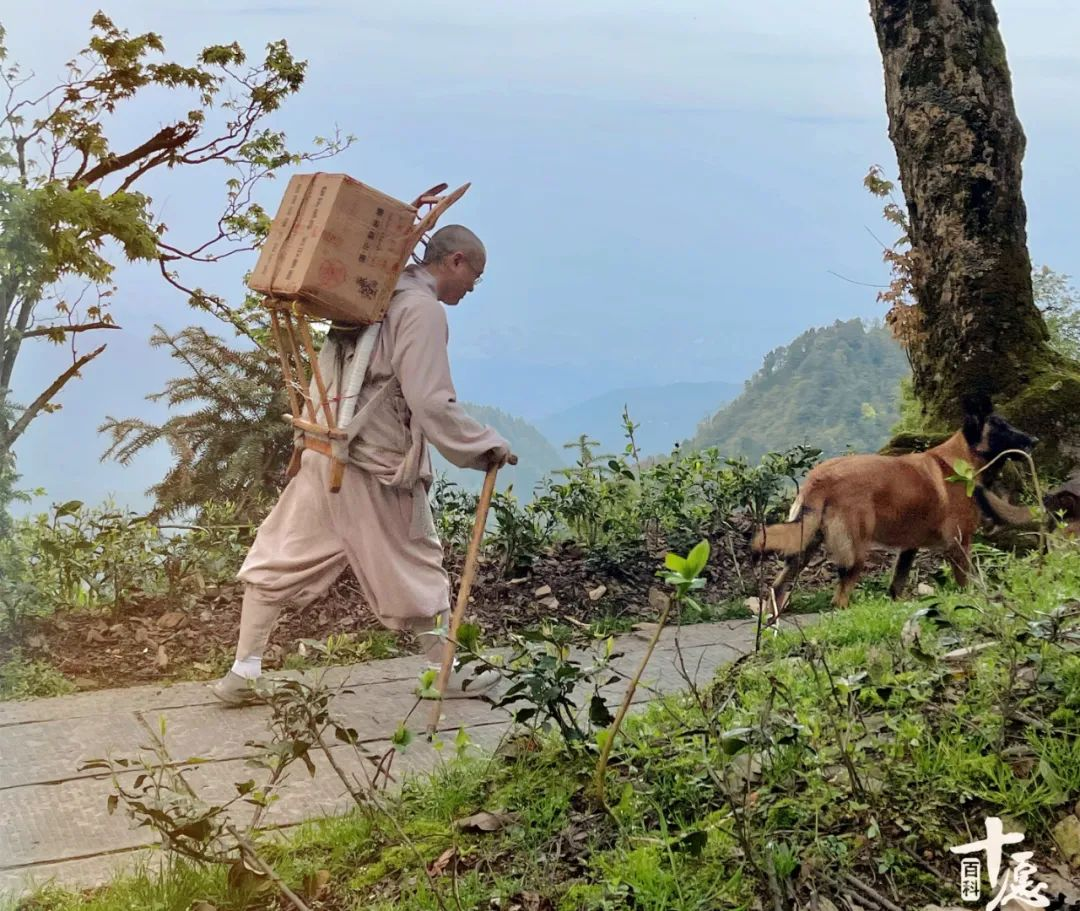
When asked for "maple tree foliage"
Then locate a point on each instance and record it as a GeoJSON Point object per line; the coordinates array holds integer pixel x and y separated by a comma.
{"type": "Point", "coordinates": [74, 203]}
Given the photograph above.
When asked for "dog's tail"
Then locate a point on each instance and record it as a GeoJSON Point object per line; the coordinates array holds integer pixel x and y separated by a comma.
{"type": "Point", "coordinates": [791, 537]}
{"type": "Point", "coordinates": [1002, 512]}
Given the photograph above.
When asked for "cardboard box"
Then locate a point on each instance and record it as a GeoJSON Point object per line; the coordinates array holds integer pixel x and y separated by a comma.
{"type": "Point", "coordinates": [338, 246]}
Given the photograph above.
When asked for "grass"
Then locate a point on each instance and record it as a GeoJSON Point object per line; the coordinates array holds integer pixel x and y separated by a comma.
{"type": "Point", "coordinates": [21, 678]}
{"type": "Point", "coordinates": [852, 749]}
{"type": "Point", "coordinates": [343, 648]}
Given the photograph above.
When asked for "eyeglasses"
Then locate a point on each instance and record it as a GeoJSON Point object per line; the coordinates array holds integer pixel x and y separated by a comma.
{"type": "Point", "coordinates": [479, 278]}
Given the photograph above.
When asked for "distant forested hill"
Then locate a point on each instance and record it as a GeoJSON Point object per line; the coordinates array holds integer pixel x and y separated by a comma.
{"type": "Point", "coordinates": [833, 388]}
{"type": "Point", "coordinates": [664, 414]}
{"type": "Point", "coordinates": [536, 456]}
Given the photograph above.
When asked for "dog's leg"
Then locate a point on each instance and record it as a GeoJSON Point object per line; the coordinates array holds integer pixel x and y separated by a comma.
{"type": "Point", "coordinates": [901, 573]}
{"type": "Point", "coordinates": [781, 585]}
{"type": "Point", "coordinates": [959, 559]}
{"type": "Point", "coordinates": [844, 541]}
{"type": "Point", "coordinates": [793, 565]}
{"type": "Point", "coordinates": [849, 577]}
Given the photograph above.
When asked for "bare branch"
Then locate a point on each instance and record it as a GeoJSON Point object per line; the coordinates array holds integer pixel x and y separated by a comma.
{"type": "Point", "coordinates": [13, 341]}
{"type": "Point", "coordinates": [194, 256]}
{"type": "Point", "coordinates": [81, 327]}
{"type": "Point", "coordinates": [31, 412]}
{"type": "Point", "coordinates": [211, 302]}
{"type": "Point", "coordinates": [148, 165]}
{"type": "Point", "coordinates": [169, 139]}
{"type": "Point", "coordinates": [854, 282]}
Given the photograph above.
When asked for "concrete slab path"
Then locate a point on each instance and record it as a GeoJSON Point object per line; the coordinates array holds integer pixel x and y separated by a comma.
{"type": "Point", "coordinates": [53, 820]}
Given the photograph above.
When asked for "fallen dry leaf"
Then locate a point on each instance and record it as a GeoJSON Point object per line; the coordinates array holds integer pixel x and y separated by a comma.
{"type": "Point", "coordinates": [171, 619]}
{"type": "Point", "coordinates": [315, 884]}
{"type": "Point", "coordinates": [530, 901]}
{"type": "Point", "coordinates": [597, 593]}
{"type": "Point", "coordinates": [542, 592]}
{"type": "Point", "coordinates": [442, 861]}
{"type": "Point", "coordinates": [658, 600]}
{"type": "Point", "coordinates": [485, 821]}
{"type": "Point", "coordinates": [162, 659]}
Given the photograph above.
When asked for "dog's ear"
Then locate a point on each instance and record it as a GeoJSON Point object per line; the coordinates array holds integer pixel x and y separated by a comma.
{"type": "Point", "coordinates": [977, 405]}
{"type": "Point", "coordinates": [977, 408]}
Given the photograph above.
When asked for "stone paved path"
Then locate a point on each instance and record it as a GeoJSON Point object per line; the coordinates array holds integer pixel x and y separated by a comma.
{"type": "Point", "coordinates": [53, 819]}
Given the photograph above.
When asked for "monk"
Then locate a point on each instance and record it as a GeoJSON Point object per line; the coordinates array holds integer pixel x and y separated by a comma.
{"type": "Point", "coordinates": [380, 522]}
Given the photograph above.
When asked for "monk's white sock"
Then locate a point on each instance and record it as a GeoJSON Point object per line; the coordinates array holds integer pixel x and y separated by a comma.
{"type": "Point", "coordinates": [248, 668]}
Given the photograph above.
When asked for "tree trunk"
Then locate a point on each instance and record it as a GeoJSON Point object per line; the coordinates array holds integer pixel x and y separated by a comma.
{"type": "Point", "coordinates": [960, 145]}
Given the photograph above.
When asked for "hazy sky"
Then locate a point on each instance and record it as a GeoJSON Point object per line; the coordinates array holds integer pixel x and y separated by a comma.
{"type": "Point", "coordinates": [663, 188]}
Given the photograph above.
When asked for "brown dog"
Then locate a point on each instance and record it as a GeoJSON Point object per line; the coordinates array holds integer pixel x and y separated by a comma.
{"type": "Point", "coordinates": [903, 503]}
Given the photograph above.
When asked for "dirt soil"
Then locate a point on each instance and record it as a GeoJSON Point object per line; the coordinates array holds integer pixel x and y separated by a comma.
{"type": "Point", "coordinates": [156, 639]}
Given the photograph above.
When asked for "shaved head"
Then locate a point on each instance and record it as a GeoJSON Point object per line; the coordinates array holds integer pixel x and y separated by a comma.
{"type": "Point", "coordinates": [455, 239]}
{"type": "Point", "coordinates": [456, 259]}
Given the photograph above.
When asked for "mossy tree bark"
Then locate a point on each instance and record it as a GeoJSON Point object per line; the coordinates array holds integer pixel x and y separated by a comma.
{"type": "Point", "coordinates": [960, 146]}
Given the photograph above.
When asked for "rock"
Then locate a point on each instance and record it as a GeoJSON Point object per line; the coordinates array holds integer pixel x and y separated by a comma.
{"type": "Point", "coordinates": [754, 604]}
{"type": "Point", "coordinates": [1067, 835]}
{"type": "Point", "coordinates": [206, 616]}
{"type": "Point", "coordinates": [485, 821]}
{"type": "Point", "coordinates": [172, 619]}
{"type": "Point", "coordinates": [597, 593]}
{"type": "Point", "coordinates": [922, 589]}
{"type": "Point", "coordinates": [1059, 885]}
{"type": "Point", "coordinates": [542, 592]}
{"type": "Point", "coordinates": [658, 600]}
{"type": "Point", "coordinates": [551, 603]}
{"type": "Point", "coordinates": [645, 630]}
{"type": "Point", "coordinates": [162, 659]}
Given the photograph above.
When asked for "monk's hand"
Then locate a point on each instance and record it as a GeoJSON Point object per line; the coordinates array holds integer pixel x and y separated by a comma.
{"type": "Point", "coordinates": [500, 456]}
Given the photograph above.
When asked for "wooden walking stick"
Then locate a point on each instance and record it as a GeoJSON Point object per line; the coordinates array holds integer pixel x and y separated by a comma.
{"type": "Point", "coordinates": [468, 573]}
